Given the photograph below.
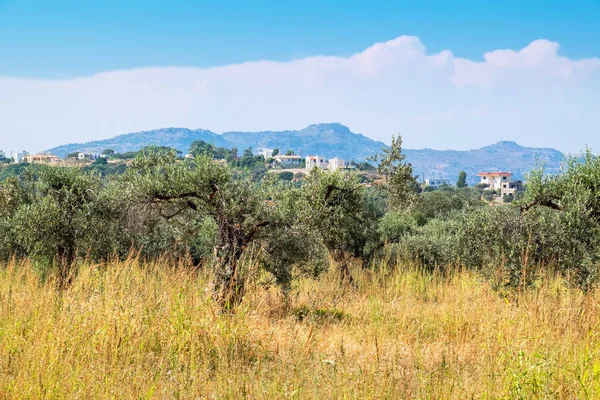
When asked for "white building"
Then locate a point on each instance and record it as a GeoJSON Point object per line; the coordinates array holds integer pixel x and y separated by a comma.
{"type": "Point", "coordinates": [84, 155]}
{"type": "Point", "coordinates": [266, 153]}
{"type": "Point", "coordinates": [337, 163]}
{"type": "Point", "coordinates": [19, 156]}
{"type": "Point", "coordinates": [288, 161]}
{"type": "Point", "coordinates": [511, 188]}
{"type": "Point", "coordinates": [316, 162]}
{"type": "Point", "coordinates": [495, 180]}
{"type": "Point", "coordinates": [436, 182]}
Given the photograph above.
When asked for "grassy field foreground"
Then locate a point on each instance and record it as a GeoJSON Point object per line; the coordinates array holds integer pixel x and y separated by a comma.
{"type": "Point", "coordinates": [127, 330]}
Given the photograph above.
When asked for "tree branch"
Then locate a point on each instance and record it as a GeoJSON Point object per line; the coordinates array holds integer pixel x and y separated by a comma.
{"type": "Point", "coordinates": [544, 203]}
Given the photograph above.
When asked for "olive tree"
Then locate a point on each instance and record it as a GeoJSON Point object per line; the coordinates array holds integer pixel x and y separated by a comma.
{"type": "Point", "coordinates": [401, 184]}
{"type": "Point", "coordinates": [335, 206]}
{"type": "Point", "coordinates": [66, 214]}
{"type": "Point", "coordinates": [245, 214]}
{"type": "Point", "coordinates": [575, 195]}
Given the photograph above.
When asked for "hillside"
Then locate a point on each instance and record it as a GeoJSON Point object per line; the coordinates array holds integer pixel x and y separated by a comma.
{"type": "Point", "coordinates": [334, 139]}
{"type": "Point", "coordinates": [502, 156]}
{"type": "Point", "coordinates": [329, 140]}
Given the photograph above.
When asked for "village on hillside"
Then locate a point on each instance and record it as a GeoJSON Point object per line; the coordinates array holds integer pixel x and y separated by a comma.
{"type": "Point", "coordinates": [495, 187]}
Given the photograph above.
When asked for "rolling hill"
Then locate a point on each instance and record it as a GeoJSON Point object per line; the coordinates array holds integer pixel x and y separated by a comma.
{"type": "Point", "coordinates": [334, 139]}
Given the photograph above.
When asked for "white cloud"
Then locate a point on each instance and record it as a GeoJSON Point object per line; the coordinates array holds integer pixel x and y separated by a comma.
{"type": "Point", "coordinates": [434, 100]}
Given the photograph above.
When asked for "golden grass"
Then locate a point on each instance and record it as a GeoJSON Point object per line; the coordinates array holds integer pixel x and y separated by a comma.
{"type": "Point", "coordinates": [126, 331]}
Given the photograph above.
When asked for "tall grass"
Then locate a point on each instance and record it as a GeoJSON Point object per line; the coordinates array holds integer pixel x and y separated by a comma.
{"type": "Point", "coordinates": [134, 330]}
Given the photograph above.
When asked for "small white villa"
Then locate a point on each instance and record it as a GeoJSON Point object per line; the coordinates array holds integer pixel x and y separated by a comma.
{"type": "Point", "coordinates": [501, 181]}
{"type": "Point", "coordinates": [436, 182]}
{"type": "Point", "coordinates": [19, 156]}
{"type": "Point", "coordinates": [495, 180]}
{"type": "Point", "coordinates": [288, 161]}
{"type": "Point", "coordinates": [316, 161]}
{"type": "Point", "coordinates": [337, 163]}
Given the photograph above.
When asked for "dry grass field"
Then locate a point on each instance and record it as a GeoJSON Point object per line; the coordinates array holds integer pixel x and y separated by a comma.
{"type": "Point", "coordinates": [133, 331]}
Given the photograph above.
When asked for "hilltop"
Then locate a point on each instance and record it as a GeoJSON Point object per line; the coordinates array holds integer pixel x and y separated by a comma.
{"type": "Point", "coordinates": [333, 139]}
{"type": "Point", "coordinates": [329, 140]}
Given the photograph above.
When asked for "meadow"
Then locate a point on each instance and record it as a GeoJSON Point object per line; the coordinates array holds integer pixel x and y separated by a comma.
{"type": "Point", "coordinates": [128, 329]}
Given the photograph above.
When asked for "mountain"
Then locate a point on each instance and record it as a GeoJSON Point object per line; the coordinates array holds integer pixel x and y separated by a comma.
{"type": "Point", "coordinates": [502, 156]}
{"type": "Point", "coordinates": [330, 140]}
{"type": "Point", "coordinates": [179, 138]}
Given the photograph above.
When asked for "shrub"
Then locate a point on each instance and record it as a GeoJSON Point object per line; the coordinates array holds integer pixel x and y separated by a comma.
{"type": "Point", "coordinates": [286, 176]}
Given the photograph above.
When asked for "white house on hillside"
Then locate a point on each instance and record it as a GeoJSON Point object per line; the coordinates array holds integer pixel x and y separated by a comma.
{"type": "Point", "coordinates": [288, 161]}
{"type": "Point", "coordinates": [511, 188]}
{"type": "Point", "coordinates": [316, 161]}
{"type": "Point", "coordinates": [18, 157]}
{"type": "Point", "coordinates": [337, 163]}
{"type": "Point", "coordinates": [436, 182]}
{"type": "Point", "coordinates": [495, 180]}
{"type": "Point", "coordinates": [266, 153]}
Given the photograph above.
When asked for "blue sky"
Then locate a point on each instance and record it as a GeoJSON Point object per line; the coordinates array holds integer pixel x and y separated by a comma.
{"type": "Point", "coordinates": [48, 39]}
{"type": "Point", "coordinates": [50, 52]}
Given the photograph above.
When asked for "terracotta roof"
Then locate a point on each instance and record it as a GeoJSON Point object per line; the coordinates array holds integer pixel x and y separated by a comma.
{"type": "Point", "coordinates": [494, 174]}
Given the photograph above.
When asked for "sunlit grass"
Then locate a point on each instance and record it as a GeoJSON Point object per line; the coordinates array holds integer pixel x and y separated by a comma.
{"type": "Point", "coordinates": [128, 330]}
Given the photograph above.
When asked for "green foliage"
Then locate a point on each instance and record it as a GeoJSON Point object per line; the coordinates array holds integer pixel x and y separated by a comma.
{"type": "Point", "coordinates": [401, 185]}
{"type": "Point", "coordinates": [442, 204]}
{"type": "Point", "coordinates": [200, 147]}
{"type": "Point", "coordinates": [275, 152]}
{"type": "Point", "coordinates": [338, 208]}
{"type": "Point", "coordinates": [433, 244]}
{"type": "Point", "coordinates": [61, 214]}
{"type": "Point", "coordinates": [489, 194]}
{"type": "Point", "coordinates": [246, 215]}
{"type": "Point", "coordinates": [14, 170]}
{"type": "Point", "coordinates": [365, 166]}
{"type": "Point", "coordinates": [394, 226]}
{"type": "Point", "coordinates": [462, 180]}
{"type": "Point", "coordinates": [286, 176]}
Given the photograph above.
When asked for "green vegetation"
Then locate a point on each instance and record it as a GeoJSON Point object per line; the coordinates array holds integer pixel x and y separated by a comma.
{"type": "Point", "coordinates": [205, 276]}
{"type": "Point", "coordinates": [215, 206]}
{"type": "Point", "coordinates": [462, 180]}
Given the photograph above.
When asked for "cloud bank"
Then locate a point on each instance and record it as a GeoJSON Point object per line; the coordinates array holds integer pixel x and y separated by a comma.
{"type": "Point", "coordinates": [533, 95]}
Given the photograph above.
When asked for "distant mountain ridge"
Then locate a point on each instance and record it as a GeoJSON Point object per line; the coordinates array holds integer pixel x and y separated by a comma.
{"type": "Point", "coordinates": [503, 156]}
{"type": "Point", "coordinates": [333, 139]}
{"type": "Point", "coordinates": [329, 140]}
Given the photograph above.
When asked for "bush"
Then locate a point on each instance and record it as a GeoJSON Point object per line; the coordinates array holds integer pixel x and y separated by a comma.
{"type": "Point", "coordinates": [286, 176]}
{"type": "Point", "coordinates": [393, 226]}
{"type": "Point", "coordinates": [433, 245]}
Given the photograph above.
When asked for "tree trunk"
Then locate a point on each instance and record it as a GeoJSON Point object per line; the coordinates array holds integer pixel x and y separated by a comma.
{"type": "Point", "coordinates": [229, 286]}
{"type": "Point", "coordinates": [342, 260]}
{"type": "Point", "coordinates": [66, 257]}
